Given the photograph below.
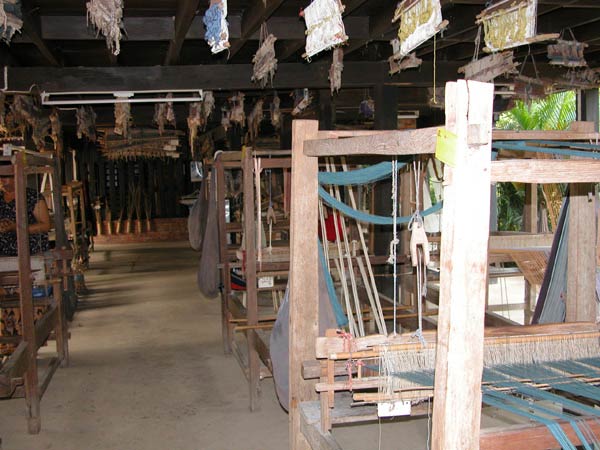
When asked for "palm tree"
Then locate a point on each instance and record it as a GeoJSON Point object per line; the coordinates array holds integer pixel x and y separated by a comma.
{"type": "Point", "coordinates": [555, 112]}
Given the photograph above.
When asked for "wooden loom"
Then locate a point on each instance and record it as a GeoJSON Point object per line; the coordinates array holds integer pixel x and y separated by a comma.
{"type": "Point", "coordinates": [247, 317]}
{"type": "Point", "coordinates": [19, 373]}
{"type": "Point", "coordinates": [464, 260]}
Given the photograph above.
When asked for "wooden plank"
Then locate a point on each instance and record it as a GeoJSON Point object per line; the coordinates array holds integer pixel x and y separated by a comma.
{"type": "Point", "coordinates": [310, 425]}
{"type": "Point", "coordinates": [186, 11]}
{"type": "Point", "coordinates": [48, 374]}
{"type": "Point", "coordinates": [546, 171]}
{"type": "Point", "coordinates": [45, 326]}
{"type": "Point", "coordinates": [547, 135]}
{"type": "Point", "coordinates": [463, 274]}
{"type": "Point", "coordinates": [31, 27]}
{"type": "Point", "coordinates": [15, 367]}
{"type": "Point", "coordinates": [25, 294]}
{"type": "Point", "coordinates": [251, 281]}
{"type": "Point", "coordinates": [530, 436]}
{"type": "Point", "coordinates": [581, 265]}
{"type": "Point", "coordinates": [520, 240]}
{"type": "Point", "coordinates": [304, 276]}
{"type": "Point", "coordinates": [404, 142]}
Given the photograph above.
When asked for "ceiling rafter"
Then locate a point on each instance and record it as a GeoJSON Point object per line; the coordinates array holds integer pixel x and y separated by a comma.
{"type": "Point", "coordinates": [31, 27]}
{"type": "Point", "coordinates": [252, 18]}
{"type": "Point", "coordinates": [186, 11]}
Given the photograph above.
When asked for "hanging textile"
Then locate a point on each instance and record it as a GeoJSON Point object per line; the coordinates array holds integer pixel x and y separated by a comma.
{"type": "Point", "coordinates": [336, 69]}
{"type": "Point", "coordinates": [236, 113]}
{"type": "Point", "coordinates": [208, 106]}
{"type": "Point", "coordinates": [367, 108]}
{"type": "Point", "coordinates": [302, 100]}
{"type": "Point", "coordinates": [56, 127]}
{"type": "Point", "coordinates": [419, 21]}
{"type": "Point", "coordinates": [194, 121]}
{"type": "Point", "coordinates": [198, 216]}
{"type": "Point", "coordinates": [265, 63]}
{"type": "Point", "coordinates": [86, 123]}
{"type": "Point", "coordinates": [10, 19]}
{"type": "Point", "coordinates": [217, 29]}
{"type": "Point", "coordinates": [163, 114]}
{"type": "Point", "coordinates": [254, 119]}
{"type": "Point", "coordinates": [29, 116]}
{"type": "Point", "coordinates": [107, 17]}
{"type": "Point", "coordinates": [122, 119]}
{"type": "Point", "coordinates": [508, 24]}
{"type": "Point", "coordinates": [276, 112]}
{"type": "Point", "coordinates": [208, 273]}
{"type": "Point", "coordinates": [324, 26]}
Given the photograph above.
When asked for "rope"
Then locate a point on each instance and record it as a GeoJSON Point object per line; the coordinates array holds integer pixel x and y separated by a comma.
{"type": "Point", "coordinates": [395, 241]}
{"type": "Point", "coordinates": [371, 218]}
{"type": "Point", "coordinates": [365, 175]}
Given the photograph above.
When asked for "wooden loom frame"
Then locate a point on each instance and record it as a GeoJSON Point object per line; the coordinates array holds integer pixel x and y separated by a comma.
{"type": "Point", "coordinates": [19, 374]}
{"type": "Point", "coordinates": [465, 236]}
{"type": "Point", "coordinates": [234, 316]}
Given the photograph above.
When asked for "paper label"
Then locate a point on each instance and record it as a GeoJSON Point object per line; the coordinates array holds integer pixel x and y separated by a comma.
{"type": "Point", "coordinates": [266, 282]}
{"type": "Point", "coordinates": [446, 147]}
{"type": "Point", "coordinates": [392, 409]}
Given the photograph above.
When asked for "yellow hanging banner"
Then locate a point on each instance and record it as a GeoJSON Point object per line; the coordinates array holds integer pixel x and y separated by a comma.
{"type": "Point", "coordinates": [446, 147]}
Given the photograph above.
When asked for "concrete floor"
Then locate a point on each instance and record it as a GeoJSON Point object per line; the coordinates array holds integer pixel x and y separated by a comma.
{"type": "Point", "coordinates": [148, 371]}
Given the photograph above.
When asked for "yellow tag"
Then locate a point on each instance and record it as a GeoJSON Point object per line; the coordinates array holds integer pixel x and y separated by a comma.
{"type": "Point", "coordinates": [445, 147]}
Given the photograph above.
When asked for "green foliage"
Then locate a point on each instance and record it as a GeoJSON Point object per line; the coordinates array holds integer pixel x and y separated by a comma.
{"type": "Point", "coordinates": [555, 112]}
{"type": "Point", "coordinates": [511, 200]}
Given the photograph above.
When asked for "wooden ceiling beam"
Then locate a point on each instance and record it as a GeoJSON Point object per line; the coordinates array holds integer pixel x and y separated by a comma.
{"type": "Point", "coordinates": [186, 11]}
{"type": "Point", "coordinates": [31, 28]}
{"type": "Point", "coordinates": [379, 27]}
{"type": "Point", "coordinates": [252, 18]}
{"type": "Point", "coordinates": [218, 77]}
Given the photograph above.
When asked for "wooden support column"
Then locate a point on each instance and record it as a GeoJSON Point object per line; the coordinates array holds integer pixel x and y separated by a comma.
{"type": "Point", "coordinates": [251, 286]}
{"type": "Point", "coordinates": [581, 259]}
{"type": "Point", "coordinates": [304, 274]}
{"type": "Point", "coordinates": [581, 265]}
{"type": "Point", "coordinates": [226, 329]}
{"type": "Point", "coordinates": [32, 390]}
{"type": "Point", "coordinates": [465, 236]}
{"type": "Point", "coordinates": [326, 110]}
{"type": "Point", "coordinates": [530, 225]}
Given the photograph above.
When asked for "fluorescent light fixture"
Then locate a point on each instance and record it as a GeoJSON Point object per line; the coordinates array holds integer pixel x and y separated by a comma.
{"type": "Point", "coordinates": [111, 97]}
{"type": "Point", "coordinates": [412, 114]}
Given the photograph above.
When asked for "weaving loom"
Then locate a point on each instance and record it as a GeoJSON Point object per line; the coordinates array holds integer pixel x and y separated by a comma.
{"type": "Point", "coordinates": [471, 367]}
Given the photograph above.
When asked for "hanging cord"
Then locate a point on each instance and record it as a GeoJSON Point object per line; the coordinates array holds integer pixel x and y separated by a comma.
{"type": "Point", "coordinates": [419, 250]}
{"type": "Point", "coordinates": [395, 241]}
{"type": "Point", "coordinates": [271, 218]}
{"type": "Point", "coordinates": [434, 67]}
{"type": "Point", "coordinates": [257, 170]}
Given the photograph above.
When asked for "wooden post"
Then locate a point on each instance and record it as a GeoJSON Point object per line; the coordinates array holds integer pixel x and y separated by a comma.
{"type": "Point", "coordinates": [304, 271]}
{"type": "Point", "coordinates": [465, 235]}
{"type": "Point", "coordinates": [530, 224]}
{"type": "Point", "coordinates": [581, 265]}
{"type": "Point", "coordinates": [32, 391]}
{"type": "Point", "coordinates": [226, 329]}
{"type": "Point", "coordinates": [251, 286]}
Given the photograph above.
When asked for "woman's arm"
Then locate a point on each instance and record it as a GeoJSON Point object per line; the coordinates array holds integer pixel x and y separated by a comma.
{"type": "Point", "coordinates": [42, 216]}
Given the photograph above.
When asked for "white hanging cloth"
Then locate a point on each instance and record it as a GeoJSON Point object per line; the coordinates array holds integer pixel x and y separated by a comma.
{"type": "Point", "coordinates": [324, 26]}
{"type": "Point", "coordinates": [107, 17]}
{"type": "Point", "coordinates": [265, 63]}
{"type": "Point", "coordinates": [217, 29]}
{"type": "Point", "coordinates": [336, 69]}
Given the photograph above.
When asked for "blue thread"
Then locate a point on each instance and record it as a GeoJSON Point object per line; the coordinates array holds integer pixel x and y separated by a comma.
{"type": "Point", "coordinates": [340, 317]}
{"type": "Point", "coordinates": [365, 175]}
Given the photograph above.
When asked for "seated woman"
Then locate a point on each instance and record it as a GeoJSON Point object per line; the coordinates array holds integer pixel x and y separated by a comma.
{"type": "Point", "coordinates": [38, 219]}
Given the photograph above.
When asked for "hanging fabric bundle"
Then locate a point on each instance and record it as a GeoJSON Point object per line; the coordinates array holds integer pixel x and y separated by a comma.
{"type": "Point", "coordinates": [122, 119]}
{"type": "Point", "coordinates": [215, 21]}
{"type": "Point", "coordinates": [10, 19]}
{"type": "Point", "coordinates": [208, 106]}
{"type": "Point", "coordinates": [567, 53]}
{"type": "Point", "coordinates": [336, 69]}
{"type": "Point", "coordinates": [163, 114]}
{"type": "Point", "coordinates": [367, 108]}
{"type": "Point", "coordinates": [254, 119]}
{"type": "Point", "coordinates": [510, 23]}
{"type": "Point", "coordinates": [107, 17]}
{"type": "Point", "coordinates": [302, 100]}
{"type": "Point", "coordinates": [237, 114]}
{"type": "Point", "coordinates": [171, 112]}
{"type": "Point", "coordinates": [56, 133]}
{"type": "Point", "coordinates": [419, 21]}
{"type": "Point", "coordinates": [194, 121]}
{"type": "Point", "coordinates": [265, 63]}
{"type": "Point", "coordinates": [324, 26]}
{"type": "Point", "coordinates": [30, 116]}
{"type": "Point", "coordinates": [86, 123]}
{"type": "Point", "coordinates": [276, 112]}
